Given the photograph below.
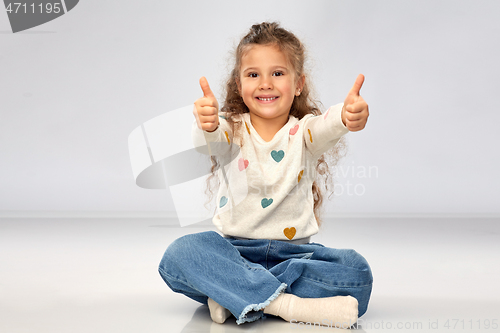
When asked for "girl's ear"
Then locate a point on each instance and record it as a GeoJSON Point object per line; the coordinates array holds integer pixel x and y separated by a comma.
{"type": "Point", "coordinates": [300, 83]}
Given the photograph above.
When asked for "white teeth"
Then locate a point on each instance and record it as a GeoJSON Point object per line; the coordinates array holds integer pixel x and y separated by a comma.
{"type": "Point", "coordinates": [266, 99]}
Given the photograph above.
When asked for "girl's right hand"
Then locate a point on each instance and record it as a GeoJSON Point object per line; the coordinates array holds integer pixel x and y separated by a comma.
{"type": "Point", "coordinates": [206, 109]}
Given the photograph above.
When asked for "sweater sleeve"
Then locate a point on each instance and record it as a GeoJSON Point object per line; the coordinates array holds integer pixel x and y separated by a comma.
{"type": "Point", "coordinates": [324, 131]}
{"type": "Point", "coordinates": [213, 143]}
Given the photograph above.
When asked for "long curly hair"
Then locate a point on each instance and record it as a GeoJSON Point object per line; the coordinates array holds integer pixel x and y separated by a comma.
{"type": "Point", "coordinates": [271, 34]}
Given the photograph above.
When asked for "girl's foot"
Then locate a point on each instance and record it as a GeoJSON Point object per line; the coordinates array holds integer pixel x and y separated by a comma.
{"type": "Point", "coordinates": [217, 312]}
{"type": "Point", "coordinates": [338, 311]}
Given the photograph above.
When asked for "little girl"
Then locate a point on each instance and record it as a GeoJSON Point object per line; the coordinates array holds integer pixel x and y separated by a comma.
{"type": "Point", "coordinates": [269, 137]}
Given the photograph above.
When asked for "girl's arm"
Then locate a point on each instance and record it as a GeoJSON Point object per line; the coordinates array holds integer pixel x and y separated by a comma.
{"type": "Point", "coordinates": [214, 143]}
{"type": "Point", "coordinates": [323, 132]}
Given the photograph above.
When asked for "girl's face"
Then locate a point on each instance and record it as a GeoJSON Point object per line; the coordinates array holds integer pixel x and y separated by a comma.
{"type": "Point", "coordinates": [267, 82]}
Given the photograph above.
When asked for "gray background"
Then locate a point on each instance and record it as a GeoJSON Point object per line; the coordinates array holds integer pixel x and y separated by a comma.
{"type": "Point", "coordinates": [73, 89]}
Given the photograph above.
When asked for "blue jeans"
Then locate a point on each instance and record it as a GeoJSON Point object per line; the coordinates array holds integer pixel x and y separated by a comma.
{"type": "Point", "coordinates": [244, 276]}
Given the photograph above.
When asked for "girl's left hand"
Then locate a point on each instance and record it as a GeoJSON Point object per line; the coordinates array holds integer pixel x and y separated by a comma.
{"type": "Point", "coordinates": [355, 110]}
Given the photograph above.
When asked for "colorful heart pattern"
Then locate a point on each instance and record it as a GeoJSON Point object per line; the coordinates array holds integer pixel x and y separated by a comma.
{"type": "Point", "coordinates": [290, 232]}
{"type": "Point", "coordinates": [266, 202]}
{"type": "Point", "coordinates": [278, 155]}
{"type": "Point", "coordinates": [242, 164]}
{"type": "Point", "coordinates": [300, 175]}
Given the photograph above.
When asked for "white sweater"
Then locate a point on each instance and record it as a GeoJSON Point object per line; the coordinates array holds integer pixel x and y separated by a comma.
{"type": "Point", "coordinates": [270, 183]}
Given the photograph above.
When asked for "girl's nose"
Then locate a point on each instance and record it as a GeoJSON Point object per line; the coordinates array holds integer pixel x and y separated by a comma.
{"type": "Point", "coordinates": [265, 83]}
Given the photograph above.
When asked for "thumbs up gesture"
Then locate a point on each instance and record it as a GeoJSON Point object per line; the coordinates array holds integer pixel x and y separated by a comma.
{"type": "Point", "coordinates": [355, 110]}
{"type": "Point", "coordinates": [206, 108]}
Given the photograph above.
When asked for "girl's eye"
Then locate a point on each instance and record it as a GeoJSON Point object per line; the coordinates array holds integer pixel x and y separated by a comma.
{"type": "Point", "coordinates": [252, 75]}
{"type": "Point", "coordinates": [278, 73]}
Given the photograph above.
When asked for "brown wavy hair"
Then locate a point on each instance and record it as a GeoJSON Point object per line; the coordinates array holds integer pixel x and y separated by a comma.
{"type": "Point", "coordinates": [271, 34]}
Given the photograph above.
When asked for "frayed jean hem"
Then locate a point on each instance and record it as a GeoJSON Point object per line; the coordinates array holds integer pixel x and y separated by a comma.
{"type": "Point", "coordinates": [243, 318]}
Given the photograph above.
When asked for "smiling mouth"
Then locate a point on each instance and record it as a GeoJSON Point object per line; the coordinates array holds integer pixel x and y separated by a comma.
{"type": "Point", "coordinates": [266, 98]}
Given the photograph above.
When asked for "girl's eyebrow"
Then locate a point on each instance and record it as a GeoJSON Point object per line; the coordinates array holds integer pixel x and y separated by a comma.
{"type": "Point", "coordinates": [256, 68]}
{"type": "Point", "coordinates": [249, 69]}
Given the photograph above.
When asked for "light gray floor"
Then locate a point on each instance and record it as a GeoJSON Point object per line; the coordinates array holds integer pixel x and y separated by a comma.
{"type": "Point", "coordinates": [100, 275]}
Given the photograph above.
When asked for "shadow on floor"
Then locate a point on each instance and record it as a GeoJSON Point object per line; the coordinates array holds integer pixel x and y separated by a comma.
{"type": "Point", "coordinates": [202, 323]}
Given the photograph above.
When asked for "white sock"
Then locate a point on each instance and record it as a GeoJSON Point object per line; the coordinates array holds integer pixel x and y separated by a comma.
{"type": "Point", "coordinates": [338, 311]}
{"type": "Point", "coordinates": [217, 312]}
